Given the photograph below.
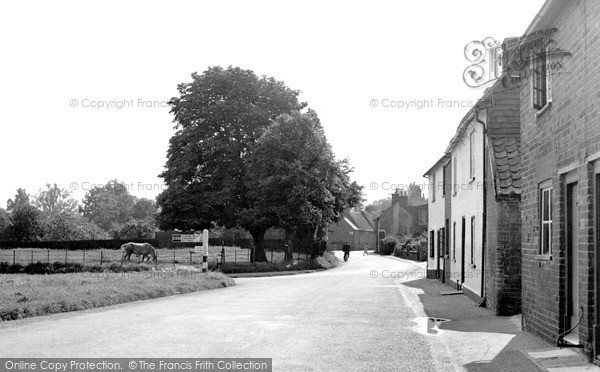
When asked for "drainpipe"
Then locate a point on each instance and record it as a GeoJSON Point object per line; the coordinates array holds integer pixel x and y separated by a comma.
{"type": "Point", "coordinates": [484, 214]}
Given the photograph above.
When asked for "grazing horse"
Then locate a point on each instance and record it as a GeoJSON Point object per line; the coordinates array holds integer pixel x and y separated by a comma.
{"type": "Point", "coordinates": [144, 249]}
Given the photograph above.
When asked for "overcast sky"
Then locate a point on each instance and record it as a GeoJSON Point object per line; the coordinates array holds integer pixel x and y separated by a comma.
{"type": "Point", "coordinates": [58, 59]}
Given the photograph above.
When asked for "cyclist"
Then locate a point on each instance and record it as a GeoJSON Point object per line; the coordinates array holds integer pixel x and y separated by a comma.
{"type": "Point", "coordinates": [346, 249]}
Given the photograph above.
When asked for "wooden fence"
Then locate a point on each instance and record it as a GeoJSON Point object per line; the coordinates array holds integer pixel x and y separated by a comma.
{"type": "Point", "coordinates": [101, 257]}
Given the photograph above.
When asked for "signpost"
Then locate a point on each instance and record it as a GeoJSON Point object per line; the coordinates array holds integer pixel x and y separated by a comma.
{"type": "Point", "coordinates": [186, 238]}
{"type": "Point", "coordinates": [205, 244]}
{"type": "Point", "coordinates": [195, 238]}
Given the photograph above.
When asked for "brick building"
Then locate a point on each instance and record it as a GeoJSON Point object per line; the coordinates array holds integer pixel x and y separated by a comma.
{"type": "Point", "coordinates": [474, 199]}
{"type": "Point", "coordinates": [356, 228]}
{"type": "Point", "coordinates": [560, 148]}
{"type": "Point", "coordinates": [406, 216]}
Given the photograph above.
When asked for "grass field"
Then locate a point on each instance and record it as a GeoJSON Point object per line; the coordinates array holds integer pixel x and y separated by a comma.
{"type": "Point", "coordinates": [103, 257]}
{"type": "Point", "coordinates": [33, 295]}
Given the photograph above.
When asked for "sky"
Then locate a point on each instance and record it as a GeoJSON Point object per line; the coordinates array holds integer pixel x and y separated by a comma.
{"type": "Point", "coordinates": [84, 85]}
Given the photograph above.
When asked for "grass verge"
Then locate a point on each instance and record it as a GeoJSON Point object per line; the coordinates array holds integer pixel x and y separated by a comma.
{"type": "Point", "coordinates": [328, 260]}
{"type": "Point", "coordinates": [34, 295]}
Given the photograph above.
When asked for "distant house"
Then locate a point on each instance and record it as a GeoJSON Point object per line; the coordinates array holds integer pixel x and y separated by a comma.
{"type": "Point", "coordinates": [406, 216]}
{"type": "Point", "coordinates": [439, 219]}
{"type": "Point", "coordinates": [356, 228]}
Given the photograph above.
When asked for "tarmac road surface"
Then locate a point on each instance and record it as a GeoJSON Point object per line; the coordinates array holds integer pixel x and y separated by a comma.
{"type": "Point", "coordinates": [350, 318]}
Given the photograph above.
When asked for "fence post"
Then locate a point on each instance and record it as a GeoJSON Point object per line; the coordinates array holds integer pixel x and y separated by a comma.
{"type": "Point", "coordinates": [48, 252]}
{"type": "Point", "coordinates": [83, 259]}
{"type": "Point", "coordinates": [271, 256]}
{"type": "Point", "coordinates": [66, 259]}
{"type": "Point", "coordinates": [101, 257]}
{"type": "Point", "coordinates": [32, 256]}
{"type": "Point", "coordinates": [173, 256]}
{"type": "Point", "coordinates": [14, 257]}
{"type": "Point", "coordinates": [235, 256]}
{"type": "Point", "coordinates": [191, 257]}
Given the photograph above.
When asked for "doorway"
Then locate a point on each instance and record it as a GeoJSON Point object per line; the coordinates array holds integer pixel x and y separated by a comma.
{"type": "Point", "coordinates": [572, 260]}
{"type": "Point", "coordinates": [462, 252]}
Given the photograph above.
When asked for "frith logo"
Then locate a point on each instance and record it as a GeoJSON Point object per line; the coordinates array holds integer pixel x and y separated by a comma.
{"type": "Point", "coordinates": [486, 57]}
{"type": "Point", "coordinates": [514, 60]}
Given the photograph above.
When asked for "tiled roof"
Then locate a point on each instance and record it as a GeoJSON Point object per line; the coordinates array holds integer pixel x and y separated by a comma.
{"type": "Point", "coordinates": [370, 217]}
{"type": "Point", "coordinates": [360, 221]}
{"type": "Point", "coordinates": [506, 161]}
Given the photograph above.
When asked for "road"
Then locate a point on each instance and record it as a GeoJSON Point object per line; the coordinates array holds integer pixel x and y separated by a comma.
{"type": "Point", "coordinates": [351, 318]}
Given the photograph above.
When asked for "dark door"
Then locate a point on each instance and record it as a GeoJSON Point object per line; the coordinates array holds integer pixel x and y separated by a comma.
{"type": "Point", "coordinates": [572, 258]}
{"type": "Point", "coordinates": [439, 238]}
{"type": "Point", "coordinates": [446, 251]}
{"type": "Point", "coordinates": [462, 251]}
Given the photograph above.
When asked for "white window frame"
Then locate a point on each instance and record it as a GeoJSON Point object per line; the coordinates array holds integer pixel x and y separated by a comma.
{"type": "Point", "coordinates": [545, 196]}
{"type": "Point", "coordinates": [454, 176]}
{"type": "Point", "coordinates": [472, 155]}
{"type": "Point", "coordinates": [473, 240]}
{"type": "Point", "coordinates": [433, 187]}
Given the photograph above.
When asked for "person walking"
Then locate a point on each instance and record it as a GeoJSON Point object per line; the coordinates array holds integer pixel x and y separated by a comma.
{"type": "Point", "coordinates": [365, 251]}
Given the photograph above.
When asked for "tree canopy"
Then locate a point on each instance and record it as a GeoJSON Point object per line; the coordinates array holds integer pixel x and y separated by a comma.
{"type": "Point", "coordinates": [108, 205]}
{"type": "Point", "coordinates": [222, 117]}
{"type": "Point", "coordinates": [55, 200]}
{"type": "Point", "coordinates": [219, 115]}
{"type": "Point", "coordinates": [295, 181]}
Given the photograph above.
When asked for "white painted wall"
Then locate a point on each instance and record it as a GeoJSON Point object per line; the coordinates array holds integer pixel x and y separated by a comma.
{"type": "Point", "coordinates": [467, 201]}
{"type": "Point", "coordinates": [436, 213]}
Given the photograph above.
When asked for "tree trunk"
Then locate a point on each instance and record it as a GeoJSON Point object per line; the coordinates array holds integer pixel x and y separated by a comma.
{"type": "Point", "coordinates": [289, 256]}
{"type": "Point", "coordinates": [258, 251]}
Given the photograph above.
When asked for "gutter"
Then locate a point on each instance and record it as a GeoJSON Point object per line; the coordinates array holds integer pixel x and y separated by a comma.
{"type": "Point", "coordinates": [484, 213]}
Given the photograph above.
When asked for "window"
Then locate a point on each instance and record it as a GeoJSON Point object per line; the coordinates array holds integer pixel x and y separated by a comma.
{"type": "Point", "coordinates": [539, 78]}
{"type": "Point", "coordinates": [472, 155]}
{"type": "Point", "coordinates": [546, 221]}
{"type": "Point", "coordinates": [444, 180]}
{"type": "Point", "coordinates": [431, 244]}
{"type": "Point", "coordinates": [447, 239]}
{"type": "Point", "coordinates": [432, 187]}
{"type": "Point", "coordinates": [454, 241]}
{"type": "Point", "coordinates": [442, 244]}
{"type": "Point", "coordinates": [454, 181]}
{"type": "Point", "coordinates": [472, 240]}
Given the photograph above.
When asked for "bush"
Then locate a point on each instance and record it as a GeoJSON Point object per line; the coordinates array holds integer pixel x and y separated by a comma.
{"type": "Point", "coordinates": [327, 260]}
{"type": "Point", "coordinates": [388, 245]}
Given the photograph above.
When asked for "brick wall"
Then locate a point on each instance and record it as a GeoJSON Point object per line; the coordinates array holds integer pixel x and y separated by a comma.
{"type": "Point", "coordinates": [562, 136]}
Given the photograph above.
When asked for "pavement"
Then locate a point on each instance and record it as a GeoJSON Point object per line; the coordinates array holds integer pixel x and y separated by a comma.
{"type": "Point", "coordinates": [372, 313]}
{"type": "Point", "coordinates": [477, 340]}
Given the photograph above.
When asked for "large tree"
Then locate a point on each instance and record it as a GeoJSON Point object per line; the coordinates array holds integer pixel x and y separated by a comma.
{"type": "Point", "coordinates": [55, 200]}
{"type": "Point", "coordinates": [25, 224]}
{"type": "Point", "coordinates": [295, 181]}
{"type": "Point", "coordinates": [144, 208]}
{"type": "Point", "coordinates": [379, 205]}
{"type": "Point", "coordinates": [65, 226]}
{"type": "Point", "coordinates": [21, 199]}
{"type": "Point", "coordinates": [218, 116]}
{"type": "Point", "coordinates": [108, 205]}
{"type": "Point", "coordinates": [4, 224]}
